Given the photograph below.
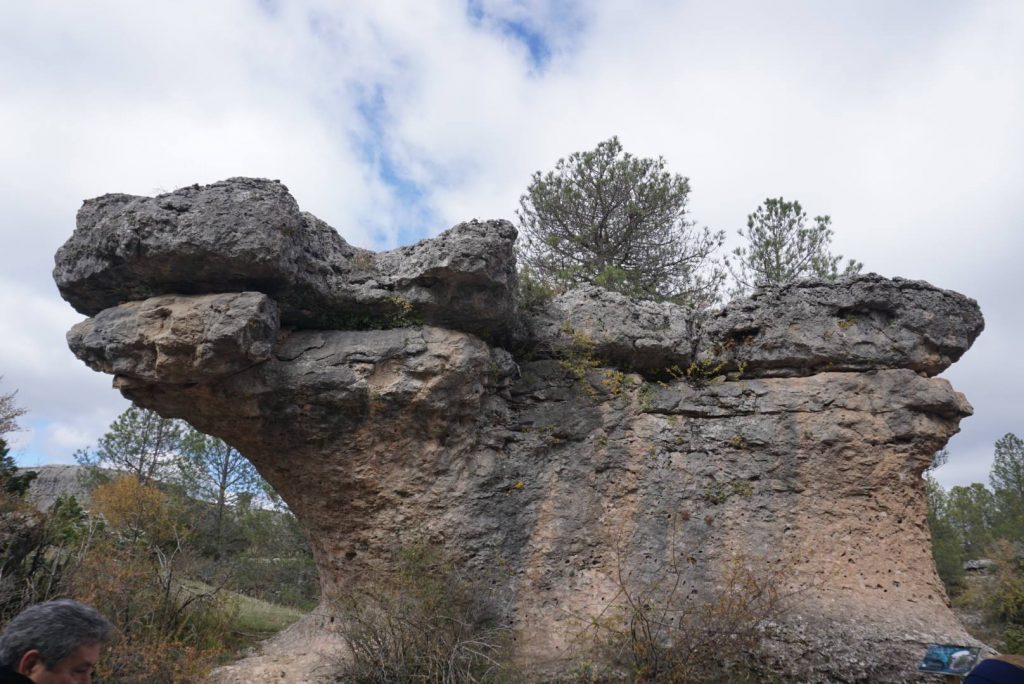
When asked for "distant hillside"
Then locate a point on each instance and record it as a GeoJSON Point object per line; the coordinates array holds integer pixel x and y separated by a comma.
{"type": "Point", "coordinates": [57, 480]}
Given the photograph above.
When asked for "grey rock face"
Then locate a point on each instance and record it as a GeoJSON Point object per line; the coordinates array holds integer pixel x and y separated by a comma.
{"type": "Point", "coordinates": [463, 279]}
{"type": "Point", "coordinates": [240, 234]}
{"type": "Point", "coordinates": [53, 481]}
{"type": "Point", "coordinates": [632, 334]}
{"type": "Point", "coordinates": [795, 446]}
{"type": "Point", "coordinates": [248, 234]}
{"type": "Point", "coordinates": [179, 339]}
{"type": "Point", "coordinates": [857, 323]}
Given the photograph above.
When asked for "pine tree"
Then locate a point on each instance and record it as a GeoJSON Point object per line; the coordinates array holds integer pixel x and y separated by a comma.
{"type": "Point", "coordinates": [782, 247]}
{"type": "Point", "coordinates": [139, 442]}
{"type": "Point", "coordinates": [604, 217]}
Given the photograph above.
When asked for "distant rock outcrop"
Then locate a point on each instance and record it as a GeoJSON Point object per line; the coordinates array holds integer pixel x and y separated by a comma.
{"type": "Point", "coordinates": [54, 481]}
{"type": "Point", "coordinates": [405, 398]}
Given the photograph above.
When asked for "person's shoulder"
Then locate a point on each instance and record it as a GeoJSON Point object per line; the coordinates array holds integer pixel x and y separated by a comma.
{"type": "Point", "coordinates": [9, 676]}
{"type": "Point", "coordinates": [1015, 660]}
{"type": "Point", "coordinates": [998, 670]}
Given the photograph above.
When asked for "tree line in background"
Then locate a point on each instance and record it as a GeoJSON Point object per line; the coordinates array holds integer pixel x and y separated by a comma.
{"type": "Point", "coordinates": [177, 542]}
{"type": "Point", "coordinates": [154, 450]}
{"type": "Point", "coordinates": [604, 217]}
{"type": "Point", "coordinates": [982, 528]}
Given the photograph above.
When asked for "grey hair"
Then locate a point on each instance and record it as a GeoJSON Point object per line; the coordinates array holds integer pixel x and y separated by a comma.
{"type": "Point", "coordinates": [55, 629]}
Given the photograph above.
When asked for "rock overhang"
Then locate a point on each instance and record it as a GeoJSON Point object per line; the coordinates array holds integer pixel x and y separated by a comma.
{"type": "Point", "coordinates": [247, 234]}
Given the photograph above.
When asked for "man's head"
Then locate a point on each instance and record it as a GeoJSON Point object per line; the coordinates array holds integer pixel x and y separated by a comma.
{"type": "Point", "coordinates": [57, 642]}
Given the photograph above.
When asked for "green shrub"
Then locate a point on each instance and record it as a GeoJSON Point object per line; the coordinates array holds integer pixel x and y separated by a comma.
{"type": "Point", "coordinates": [1015, 639]}
{"type": "Point", "coordinates": [580, 356]}
{"type": "Point", "coordinates": [532, 291]}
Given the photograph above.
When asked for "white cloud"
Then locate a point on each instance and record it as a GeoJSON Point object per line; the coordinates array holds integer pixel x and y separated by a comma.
{"type": "Point", "coordinates": [34, 336]}
{"type": "Point", "coordinates": [68, 437]}
{"type": "Point", "coordinates": [52, 385]}
{"type": "Point", "coordinates": [17, 441]}
{"type": "Point", "coordinates": [144, 98]}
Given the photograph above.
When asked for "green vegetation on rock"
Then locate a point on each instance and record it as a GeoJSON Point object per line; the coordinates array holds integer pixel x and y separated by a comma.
{"type": "Point", "coordinates": [604, 217]}
{"type": "Point", "coordinates": [782, 247]}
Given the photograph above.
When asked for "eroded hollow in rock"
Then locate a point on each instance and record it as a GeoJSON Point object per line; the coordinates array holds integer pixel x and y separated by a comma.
{"type": "Point", "coordinates": [378, 395]}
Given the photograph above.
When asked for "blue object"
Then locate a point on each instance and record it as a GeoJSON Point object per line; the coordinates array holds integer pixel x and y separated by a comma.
{"type": "Point", "coordinates": [949, 659]}
{"type": "Point", "coordinates": [993, 671]}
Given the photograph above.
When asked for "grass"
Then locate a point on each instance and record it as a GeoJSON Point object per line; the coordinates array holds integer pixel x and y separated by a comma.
{"type": "Point", "coordinates": [252, 619]}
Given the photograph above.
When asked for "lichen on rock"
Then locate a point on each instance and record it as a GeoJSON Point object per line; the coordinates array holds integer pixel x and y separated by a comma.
{"type": "Point", "coordinates": [789, 430]}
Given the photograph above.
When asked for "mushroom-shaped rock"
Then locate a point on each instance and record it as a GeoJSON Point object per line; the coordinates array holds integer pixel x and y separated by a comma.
{"type": "Point", "coordinates": [784, 436]}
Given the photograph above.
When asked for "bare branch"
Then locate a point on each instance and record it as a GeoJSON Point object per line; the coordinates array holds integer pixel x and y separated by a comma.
{"type": "Point", "coordinates": [9, 412]}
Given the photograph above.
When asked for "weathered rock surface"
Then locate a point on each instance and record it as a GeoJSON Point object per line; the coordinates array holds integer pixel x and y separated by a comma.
{"type": "Point", "coordinates": [634, 334]}
{"type": "Point", "coordinates": [53, 481]}
{"type": "Point", "coordinates": [170, 339]}
{"type": "Point", "coordinates": [796, 446]}
{"type": "Point", "coordinates": [248, 234]}
{"type": "Point", "coordinates": [856, 324]}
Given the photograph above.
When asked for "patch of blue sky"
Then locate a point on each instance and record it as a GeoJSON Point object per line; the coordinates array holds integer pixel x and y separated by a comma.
{"type": "Point", "coordinates": [271, 8]}
{"type": "Point", "coordinates": [413, 216]}
{"type": "Point", "coordinates": [536, 43]}
{"type": "Point", "coordinates": [27, 448]}
{"type": "Point", "coordinates": [30, 458]}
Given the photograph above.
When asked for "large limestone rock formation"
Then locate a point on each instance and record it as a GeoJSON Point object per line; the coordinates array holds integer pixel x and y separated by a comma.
{"type": "Point", "coordinates": [399, 397]}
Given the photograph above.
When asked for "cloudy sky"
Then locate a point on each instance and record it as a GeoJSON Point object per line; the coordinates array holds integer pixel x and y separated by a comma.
{"type": "Point", "coordinates": [393, 120]}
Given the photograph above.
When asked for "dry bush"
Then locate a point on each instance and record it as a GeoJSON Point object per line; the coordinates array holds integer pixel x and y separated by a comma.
{"type": "Point", "coordinates": [664, 629]}
{"type": "Point", "coordinates": [129, 561]}
{"type": "Point", "coordinates": [165, 631]}
{"type": "Point", "coordinates": [136, 575]}
{"type": "Point", "coordinates": [140, 512]}
{"type": "Point", "coordinates": [22, 559]}
{"type": "Point", "coordinates": [429, 624]}
{"type": "Point", "coordinates": [38, 551]}
{"type": "Point", "coordinates": [9, 412]}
